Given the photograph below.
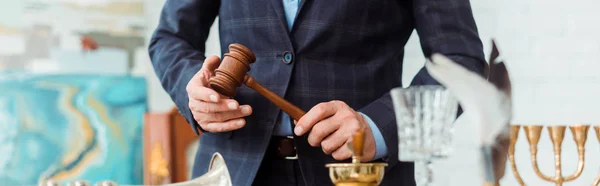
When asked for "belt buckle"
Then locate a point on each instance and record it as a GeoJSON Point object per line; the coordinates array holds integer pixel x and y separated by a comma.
{"type": "Point", "coordinates": [295, 157]}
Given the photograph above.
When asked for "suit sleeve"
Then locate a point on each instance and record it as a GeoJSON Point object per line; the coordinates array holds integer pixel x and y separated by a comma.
{"type": "Point", "coordinates": [177, 47]}
{"type": "Point", "coordinates": [446, 27]}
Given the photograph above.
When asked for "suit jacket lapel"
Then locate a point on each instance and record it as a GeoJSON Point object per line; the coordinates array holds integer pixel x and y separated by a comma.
{"type": "Point", "coordinates": [296, 23]}
{"type": "Point", "coordinates": [277, 5]}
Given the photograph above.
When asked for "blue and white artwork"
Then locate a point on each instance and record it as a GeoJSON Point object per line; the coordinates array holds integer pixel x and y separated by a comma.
{"type": "Point", "coordinates": [71, 127]}
{"type": "Point", "coordinates": [69, 111]}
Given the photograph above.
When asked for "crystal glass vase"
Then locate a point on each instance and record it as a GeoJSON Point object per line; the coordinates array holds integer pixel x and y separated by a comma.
{"type": "Point", "coordinates": [425, 117]}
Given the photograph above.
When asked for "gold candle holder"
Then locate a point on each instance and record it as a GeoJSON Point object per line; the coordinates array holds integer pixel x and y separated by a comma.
{"type": "Point", "coordinates": [597, 181]}
{"type": "Point", "coordinates": [557, 134]}
{"type": "Point", "coordinates": [514, 135]}
{"type": "Point", "coordinates": [356, 173]}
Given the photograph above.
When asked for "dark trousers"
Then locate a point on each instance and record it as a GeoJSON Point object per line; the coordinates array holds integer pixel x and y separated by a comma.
{"type": "Point", "coordinates": [278, 171]}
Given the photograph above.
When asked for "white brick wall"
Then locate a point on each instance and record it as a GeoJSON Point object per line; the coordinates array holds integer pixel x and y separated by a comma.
{"type": "Point", "coordinates": [549, 48]}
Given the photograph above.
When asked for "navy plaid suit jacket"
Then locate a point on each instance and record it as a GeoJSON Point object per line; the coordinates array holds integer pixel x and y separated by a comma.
{"type": "Point", "coordinates": [348, 50]}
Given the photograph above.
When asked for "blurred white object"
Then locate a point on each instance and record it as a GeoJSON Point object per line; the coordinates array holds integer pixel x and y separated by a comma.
{"type": "Point", "coordinates": [486, 103]}
{"type": "Point", "coordinates": [12, 44]}
{"type": "Point", "coordinates": [481, 101]}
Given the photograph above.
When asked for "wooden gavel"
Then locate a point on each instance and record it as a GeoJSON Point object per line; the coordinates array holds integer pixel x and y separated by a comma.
{"type": "Point", "coordinates": [232, 72]}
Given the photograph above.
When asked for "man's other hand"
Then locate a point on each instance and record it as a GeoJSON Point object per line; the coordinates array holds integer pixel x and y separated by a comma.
{"type": "Point", "coordinates": [331, 125]}
{"type": "Point", "coordinates": [214, 112]}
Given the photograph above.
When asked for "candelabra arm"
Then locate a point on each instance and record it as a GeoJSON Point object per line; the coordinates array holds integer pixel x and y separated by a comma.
{"type": "Point", "coordinates": [597, 181]}
{"type": "Point", "coordinates": [536, 168]}
{"type": "Point", "coordinates": [580, 164]}
{"type": "Point", "coordinates": [513, 165]}
{"type": "Point", "coordinates": [558, 178]}
{"type": "Point", "coordinates": [514, 135]}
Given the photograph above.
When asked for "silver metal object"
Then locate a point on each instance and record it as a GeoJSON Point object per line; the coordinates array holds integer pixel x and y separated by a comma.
{"type": "Point", "coordinates": [50, 183]}
{"type": "Point", "coordinates": [106, 183]}
{"type": "Point", "coordinates": [295, 157]}
{"type": "Point", "coordinates": [79, 183]}
{"type": "Point", "coordinates": [217, 175]}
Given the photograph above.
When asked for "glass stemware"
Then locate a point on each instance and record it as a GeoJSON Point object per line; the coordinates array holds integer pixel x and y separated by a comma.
{"type": "Point", "coordinates": [425, 117]}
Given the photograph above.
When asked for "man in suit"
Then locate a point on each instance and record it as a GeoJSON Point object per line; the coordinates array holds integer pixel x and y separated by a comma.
{"type": "Point", "coordinates": [338, 59]}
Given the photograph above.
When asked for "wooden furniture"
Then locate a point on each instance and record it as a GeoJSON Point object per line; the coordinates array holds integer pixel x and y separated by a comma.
{"type": "Point", "coordinates": [167, 138]}
{"type": "Point", "coordinates": [232, 72]}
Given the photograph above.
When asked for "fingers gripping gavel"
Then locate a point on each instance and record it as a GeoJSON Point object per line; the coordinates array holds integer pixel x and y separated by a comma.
{"type": "Point", "coordinates": [232, 73]}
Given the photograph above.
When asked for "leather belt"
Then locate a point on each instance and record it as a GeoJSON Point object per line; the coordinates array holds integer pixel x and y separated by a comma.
{"type": "Point", "coordinates": [283, 147]}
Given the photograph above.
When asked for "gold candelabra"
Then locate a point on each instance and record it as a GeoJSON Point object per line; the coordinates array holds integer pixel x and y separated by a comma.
{"type": "Point", "coordinates": [557, 134]}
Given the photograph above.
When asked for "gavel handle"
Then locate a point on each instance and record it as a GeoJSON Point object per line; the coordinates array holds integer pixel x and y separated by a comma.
{"type": "Point", "coordinates": [289, 108]}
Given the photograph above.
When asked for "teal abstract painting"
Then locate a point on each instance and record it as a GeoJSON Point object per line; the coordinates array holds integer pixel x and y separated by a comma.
{"type": "Point", "coordinates": [71, 127]}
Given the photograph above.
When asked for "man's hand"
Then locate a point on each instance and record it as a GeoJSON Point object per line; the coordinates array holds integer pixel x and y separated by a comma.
{"type": "Point", "coordinates": [331, 126]}
{"type": "Point", "coordinates": [213, 111]}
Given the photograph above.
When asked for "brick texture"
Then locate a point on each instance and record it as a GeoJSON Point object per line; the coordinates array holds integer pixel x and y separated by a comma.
{"type": "Point", "coordinates": [551, 49]}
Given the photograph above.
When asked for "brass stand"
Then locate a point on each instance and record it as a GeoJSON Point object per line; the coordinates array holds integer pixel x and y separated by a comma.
{"type": "Point", "coordinates": [356, 173]}
{"type": "Point", "coordinates": [597, 181]}
{"type": "Point", "coordinates": [557, 134]}
{"type": "Point", "coordinates": [514, 134]}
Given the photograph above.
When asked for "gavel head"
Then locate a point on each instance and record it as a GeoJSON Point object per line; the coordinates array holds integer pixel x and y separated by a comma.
{"type": "Point", "coordinates": [232, 70]}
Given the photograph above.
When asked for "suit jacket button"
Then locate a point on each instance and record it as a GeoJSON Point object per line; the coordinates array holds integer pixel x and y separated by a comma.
{"type": "Point", "coordinates": [288, 57]}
